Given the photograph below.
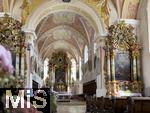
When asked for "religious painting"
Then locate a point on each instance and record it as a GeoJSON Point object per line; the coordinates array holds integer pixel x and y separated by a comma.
{"type": "Point", "coordinates": [122, 66]}
{"type": "Point", "coordinates": [60, 80]}
{"type": "Point", "coordinates": [122, 55]}
{"type": "Point", "coordinates": [60, 75]}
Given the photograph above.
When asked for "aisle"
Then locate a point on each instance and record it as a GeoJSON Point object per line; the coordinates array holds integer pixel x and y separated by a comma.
{"type": "Point", "coordinates": [71, 107]}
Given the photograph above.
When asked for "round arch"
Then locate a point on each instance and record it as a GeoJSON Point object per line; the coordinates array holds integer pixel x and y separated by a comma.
{"type": "Point", "coordinates": [74, 45]}
{"type": "Point", "coordinates": [69, 28]}
{"type": "Point", "coordinates": [86, 54]}
{"type": "Point", "coordinates": [78, 7]}
{"type": "Point", "coordinates": [71, 53]}
{"type": "Point", "coordinates": [75, 51]}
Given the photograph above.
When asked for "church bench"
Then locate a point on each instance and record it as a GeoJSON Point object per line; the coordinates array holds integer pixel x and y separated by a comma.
{"type": "Point", "coordinates": [120, 104]}
{"type": "Point", "coordinates": [139, 105]}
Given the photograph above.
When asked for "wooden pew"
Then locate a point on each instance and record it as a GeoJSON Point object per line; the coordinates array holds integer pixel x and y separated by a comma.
{"type": "Point", "coordinates": [94, 105]}
{"type": "Point", "coordinates": [109, 105]}
{"type": "Point", "coordinates": [139, 105]}
{"type": "Point", "coordinates": [120, 104]}
{"type": "Point", "coordinates": [99, 105]}
{"type": "Point", "coordinates": [89, 104]}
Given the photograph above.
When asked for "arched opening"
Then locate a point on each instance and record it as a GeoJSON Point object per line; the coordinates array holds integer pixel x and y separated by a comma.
{"type": "Point", "coordinates": [86, 56]}
{"type": "Point", "coordinates": [70, 29]}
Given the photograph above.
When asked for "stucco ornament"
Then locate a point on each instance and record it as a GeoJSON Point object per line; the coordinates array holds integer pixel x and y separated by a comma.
{"type": "Point", "coordinates": [122, 36]}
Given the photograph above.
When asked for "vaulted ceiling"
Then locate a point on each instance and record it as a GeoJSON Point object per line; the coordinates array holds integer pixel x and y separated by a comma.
{"type": "Point", "coordinates": [63, 31]}
{"type": "Point", "coordinates": [68, 31]}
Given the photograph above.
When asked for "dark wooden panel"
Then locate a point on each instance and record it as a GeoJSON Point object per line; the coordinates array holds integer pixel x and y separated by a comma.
{"type": "Point", "coordinates": [89, 88]}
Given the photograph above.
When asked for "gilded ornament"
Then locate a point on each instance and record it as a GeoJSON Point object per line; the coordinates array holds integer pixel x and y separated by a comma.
{"type": "Point", "coordinates": [10, 32]}
{"type": "Point", "coordinates": [102, 9]}
{"type": "Point", "coordinates": [13, 39]}
{"type": "Point", "coordinates": [121, 36]}
{"type": "Point", "coordinates": [122, 40]}
{"type": "Point", "coordinates": [25, 10]}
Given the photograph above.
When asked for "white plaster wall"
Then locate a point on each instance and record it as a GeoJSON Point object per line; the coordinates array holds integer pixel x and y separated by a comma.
{"type": "Point", "coordinates": [36, 78]}
{"type": "Point", "coordinates": [145, 39]}
{"type": "Point", "coordinates": [78, 87]}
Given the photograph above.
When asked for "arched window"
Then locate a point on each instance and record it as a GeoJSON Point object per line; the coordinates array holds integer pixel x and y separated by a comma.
{"type": "Point", "coordinates": [46, 68]}
{"type": "Point", "coordinates": [148, 15]}
{"type": "Point", "coordinates": [86, 54]}
{"type": "Point", "coordinates": [95, 48]}
{"type": "Point", "coordinates": [73, 69]}
{"type": "Point", "coordinates": [80, 68]}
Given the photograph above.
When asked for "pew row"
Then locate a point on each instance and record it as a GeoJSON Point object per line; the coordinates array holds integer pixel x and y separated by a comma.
{"type": "Point", "coordinates": [118, 105]}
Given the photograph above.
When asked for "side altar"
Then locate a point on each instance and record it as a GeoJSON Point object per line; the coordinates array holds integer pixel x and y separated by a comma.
{"type": "Point", "coordinates": [122, 61]}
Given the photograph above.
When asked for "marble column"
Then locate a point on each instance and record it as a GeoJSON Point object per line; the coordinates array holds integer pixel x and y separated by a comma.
{"type": "Point", "coordinates": [112, 66]}
{"type": "Point", "coordinates": [138, 68]}
{"type": "Point", "coordinates": [28, 84]}
{"type": "Point", "coordinates": [100, 80]}
{"type": "Point", "coordinates": [69, 80]}
{"type": "Point", "coordinates": [80, 70]}
{"type": "Point", "coordinates": [108, 65]}
{"type": "Point", "coordinates": [30, 36]}
{"type": "Point", "coordinates": [17, 62]}
{"type": "Point", "coordinates": [53, 77]}
{"type": "Point", "coordinates": [134, 68]}
{"type": "Point", "coordinates": [23, 63]}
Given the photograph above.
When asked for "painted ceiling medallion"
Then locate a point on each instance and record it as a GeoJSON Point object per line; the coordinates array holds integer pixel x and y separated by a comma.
{"type": "Point", "coordinates": [61, 45]}
{"type": "Point", "coordinates": [64, 17]}
{"type": "Point", "coordinates": [61, 34]}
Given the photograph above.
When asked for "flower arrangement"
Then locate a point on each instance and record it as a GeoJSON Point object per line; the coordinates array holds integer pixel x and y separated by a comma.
{"type": "Point", "coordinates": [6, 68]}
{"type": "Point", "coordinates": [12, 38]}
{"type": "Point", "coordinates": [7, 79]}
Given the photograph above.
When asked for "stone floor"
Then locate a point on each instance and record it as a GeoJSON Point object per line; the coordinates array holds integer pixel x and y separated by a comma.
{"type": "Point", "coordinates": [71, 107]}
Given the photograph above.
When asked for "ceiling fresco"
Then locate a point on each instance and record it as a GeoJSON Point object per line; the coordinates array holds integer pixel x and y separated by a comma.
{"type": "Point", "coordinates": [64, 29]}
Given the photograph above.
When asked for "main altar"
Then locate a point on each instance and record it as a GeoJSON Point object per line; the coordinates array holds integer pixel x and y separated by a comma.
{"type": "Point", "coordinates": [59, 72]}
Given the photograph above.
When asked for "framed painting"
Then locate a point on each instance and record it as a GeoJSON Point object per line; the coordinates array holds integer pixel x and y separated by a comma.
{"type": "Point", "coordinates": [122, 66]}
{"type": "Point", "coordinates": [122, 60]}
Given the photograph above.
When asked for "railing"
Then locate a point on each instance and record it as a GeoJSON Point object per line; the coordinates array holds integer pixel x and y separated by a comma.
{"type": "Point", "coordinates": [66, 97]}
